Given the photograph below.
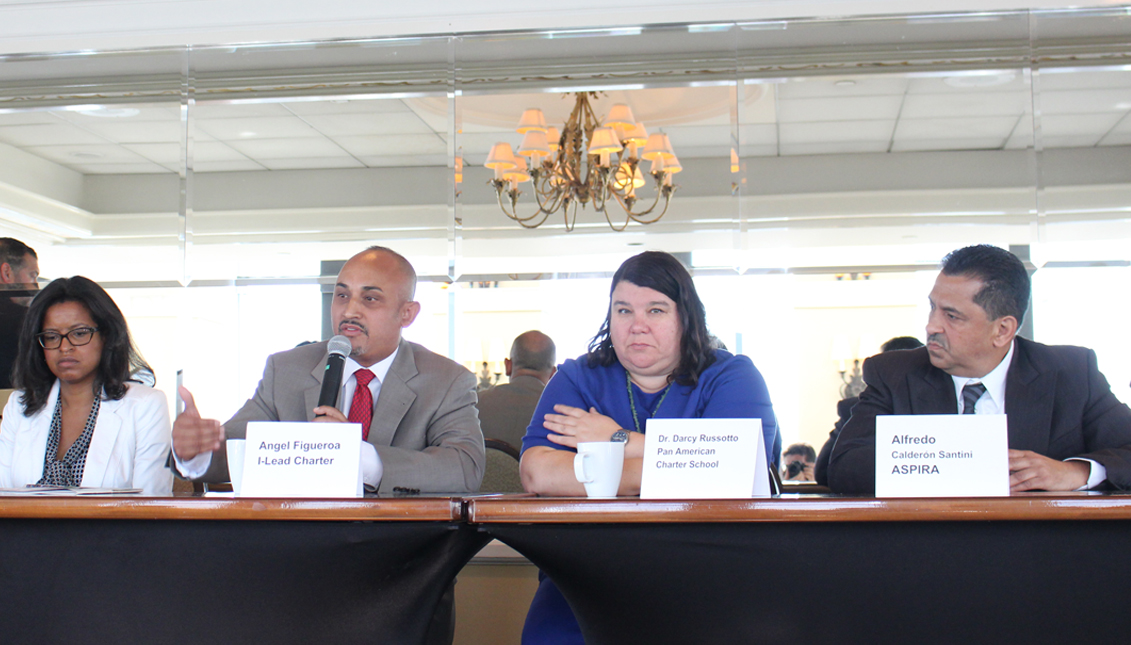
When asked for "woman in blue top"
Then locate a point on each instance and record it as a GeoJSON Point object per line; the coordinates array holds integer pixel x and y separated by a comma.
{"type": "Point", "coordinates": [652, 358]}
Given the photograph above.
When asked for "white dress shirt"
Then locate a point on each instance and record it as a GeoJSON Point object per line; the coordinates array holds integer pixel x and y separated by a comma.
{"type": "Point", "coordinates": [992, 401]}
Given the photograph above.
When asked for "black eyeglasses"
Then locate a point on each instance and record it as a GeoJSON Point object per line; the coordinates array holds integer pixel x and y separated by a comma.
{"type": "Point", "coordinates": [76, 337]}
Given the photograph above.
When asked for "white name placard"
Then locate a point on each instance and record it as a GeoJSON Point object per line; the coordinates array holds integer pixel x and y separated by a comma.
{"type": "Point", "coordinates": [942, 455]}
{"type": "Point", "coordinates": [296, 459]}
{"type": "Point", "coordinates": [704, 459]}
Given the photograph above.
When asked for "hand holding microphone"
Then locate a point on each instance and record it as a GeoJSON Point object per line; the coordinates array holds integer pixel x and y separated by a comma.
{"type": "Point", "coordinates": [339, 347]}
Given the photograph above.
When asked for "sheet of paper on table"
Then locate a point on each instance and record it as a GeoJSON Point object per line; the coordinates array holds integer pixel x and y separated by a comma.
{"type": "Point", "coordinates": [63, 491]}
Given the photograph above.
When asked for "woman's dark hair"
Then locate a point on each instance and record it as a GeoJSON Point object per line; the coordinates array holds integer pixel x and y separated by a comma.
{"type": "Point", "coordinates": [119, 357]}
{"type": "Point", "coordinates": [664, 273]}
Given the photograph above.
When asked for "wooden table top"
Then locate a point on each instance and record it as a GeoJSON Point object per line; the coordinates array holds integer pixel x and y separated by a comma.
{"type": "Point", "coordinates": [514, 509]}
{"type": "Point", "coordinates": [1026, 506]}
{"type": "Point", "coordinates": [423, 509]}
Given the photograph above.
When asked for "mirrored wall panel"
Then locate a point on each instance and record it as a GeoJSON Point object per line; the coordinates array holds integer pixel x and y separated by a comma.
{"type": "Point", "coordinates": [811, 173]}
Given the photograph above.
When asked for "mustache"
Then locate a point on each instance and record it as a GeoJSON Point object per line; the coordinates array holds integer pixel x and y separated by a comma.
{"type": "Point", "coordinates": [363, 328]}
{"type": "Point", "coordinates": [938, 339]}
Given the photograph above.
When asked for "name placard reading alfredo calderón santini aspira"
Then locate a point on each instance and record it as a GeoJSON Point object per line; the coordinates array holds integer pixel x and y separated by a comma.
{"type": "Point", "coordinates": [942, 455]}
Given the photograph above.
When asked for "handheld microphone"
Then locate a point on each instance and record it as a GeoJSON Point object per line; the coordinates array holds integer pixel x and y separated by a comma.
{"type": "Point", "coordinates": [339, 347]}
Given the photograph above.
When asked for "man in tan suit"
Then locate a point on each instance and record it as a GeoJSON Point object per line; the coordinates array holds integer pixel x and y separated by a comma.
{"type": "Point", "coordinates": [424, 435]}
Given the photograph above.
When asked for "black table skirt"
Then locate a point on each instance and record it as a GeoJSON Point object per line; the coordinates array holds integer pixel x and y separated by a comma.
{"type": "Point", "coordinates": [843, 582]}
{"type": "Point", "coordinates": [219, 582]}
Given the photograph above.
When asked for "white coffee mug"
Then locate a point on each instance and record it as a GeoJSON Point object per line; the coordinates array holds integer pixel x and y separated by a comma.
{"type": "Point", "coordinates": [235, 463]}
{"type": "Point", "coordinates": [598, 465]}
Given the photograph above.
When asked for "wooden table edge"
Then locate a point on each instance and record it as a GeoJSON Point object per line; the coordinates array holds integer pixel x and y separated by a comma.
{"type": "Point", "coordinates": [807, 509]}
{"type": "Point", "coordinates": [440, 509]}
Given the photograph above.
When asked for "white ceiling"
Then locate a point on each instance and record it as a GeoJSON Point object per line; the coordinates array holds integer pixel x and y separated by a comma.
{"type": "Point", "coordinates": [842, 114]}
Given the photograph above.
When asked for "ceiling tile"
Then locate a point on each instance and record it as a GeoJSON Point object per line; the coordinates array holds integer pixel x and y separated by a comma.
{"type": "Point", "coordinates": [354, 124]}
{"type": "Point", "coordinates": [963, 128]}
{"type": "Point", "coordinates": [1086, 101]}
{"type": "Point", "coordinates": [761, 108]}
{"type": "Point", "coordinates": [1123, 125]}
{"type": "Point", "coordinates": [760, 151]}
{"type": "Point", "coordinates": [754, 135]}
{"type": "Point", "coordinates": [258, 149]}
{"type": "Point", "coordinates": [215, 151]}
{"type": "Point", "coordinates": [1019, 142]}
{"type": "Point", "coordinates": [87, 155]}
{"type": "Point", "coordinates": [47, 135]}
{"type": "Point", "coordinates": [137, 112]}
{"type": "Point", "coordinates": [922, 106]}
{"type": "Point", "coordinates": [140, 132]}
{"type": "Point", "coordinates": [1022, 136]}
{"type": "Point", "coordinates": [1093, 125]}
{"type": "Point", "coordinates": [1117, 139]}
{"type": "Point", "coordinates": [877, 132]}
{"type": "Point", "coordinates": [398, 144]}
{"type": "Point", "coordinates": [950, 143]}
{"type": "Point", "coordinates": [162, 153]}
{"type": "Point", "coordinates": [256, 128]}
{"type": "Point", "coordinates": [227, 166]}
{"type": "Point", "coordinates": [170, 153]}
{"type": "Point", "coordinates": [27, 118]}
{"type": "Point", "coordinates": [1069, 141]}
{"type": "Point", "coordinates": [832, 147]}
{"type": "Point", "coordinates": [473, 143]}
{"type": "Point", "coordinates": [441, 127]}
{"type": "Point", "coordinates": [973, 82]}
{"type": "Point", "coordinates": [308, 162]}
{"type": "Point", "coordinates": [407, 161]}
{"type": "Point", "coordinates": [855, 108]}
{"type": "Point", "coordinates": [718, 136]}
{"type": "Point", "coordinates": [841, 86]}
{"type": "Point", "coordinates": [375, 106]}
{"type": "Point", "coordinates": [1077, 79]}
{"type": "Point", "coordinates": [120, 169]}
{"type": "Point", "coordinates": [699, 152]}
{"type": "Point", "coordinates": [238, 111]}
{"type": "Point", "coordinates": [1024, 127]}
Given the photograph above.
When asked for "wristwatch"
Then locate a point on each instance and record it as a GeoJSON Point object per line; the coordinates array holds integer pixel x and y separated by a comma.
{"type": "Point", "coordinates": [620, 436]}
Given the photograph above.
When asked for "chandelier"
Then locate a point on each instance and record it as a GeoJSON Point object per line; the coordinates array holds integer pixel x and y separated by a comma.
{"type": "Point", "coordinates": [587, 162]}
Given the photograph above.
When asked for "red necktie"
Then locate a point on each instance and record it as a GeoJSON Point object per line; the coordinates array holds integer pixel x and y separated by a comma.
{"type": "Point", "coordinates": [361, 409]}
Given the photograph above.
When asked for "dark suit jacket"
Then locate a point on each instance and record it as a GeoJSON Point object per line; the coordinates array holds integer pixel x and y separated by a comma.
{"type": "Point", "coordinates": [11, 320]}
{"type": "Point", "coordinates": [1058, 403]}
{"type": "Point", "coordinates": [843, 412]}
{"type": "Point", "coordinates": [425, 426]}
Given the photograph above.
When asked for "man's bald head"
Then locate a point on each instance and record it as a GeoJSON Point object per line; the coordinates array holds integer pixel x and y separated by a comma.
{"type": "Point", "coordinates": [373, 302]}
{"type": "Point", "coordinates": [533, 354]}
{"type": "Point", "coordinates": [391, 259]}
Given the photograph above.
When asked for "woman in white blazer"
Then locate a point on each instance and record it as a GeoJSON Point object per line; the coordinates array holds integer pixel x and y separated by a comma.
{"type": "Point", "coordinates": [77, 419]}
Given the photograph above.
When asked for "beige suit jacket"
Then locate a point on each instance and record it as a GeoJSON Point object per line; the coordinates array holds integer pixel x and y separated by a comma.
{"type": "Point", "coordinates": [425, 425]}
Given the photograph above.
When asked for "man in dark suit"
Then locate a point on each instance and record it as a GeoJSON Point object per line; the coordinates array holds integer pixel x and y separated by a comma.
{"type": "Point", "coordinates": [505, 410]}
{"type": "Point", "coordinates": [1067, 431]}
{"type": "Point", "coordinates": [19, 270]}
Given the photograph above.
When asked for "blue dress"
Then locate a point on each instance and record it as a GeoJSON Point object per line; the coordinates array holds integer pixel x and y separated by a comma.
{"type": "Point", "coordinates": [731, 388]}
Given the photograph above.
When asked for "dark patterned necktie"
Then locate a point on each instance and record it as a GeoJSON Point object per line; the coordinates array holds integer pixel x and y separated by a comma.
{"type": "Point", "coordinates": [971, 392]}
{"type": "Point", "coordinates": [361, 408]}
